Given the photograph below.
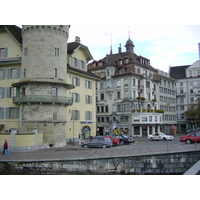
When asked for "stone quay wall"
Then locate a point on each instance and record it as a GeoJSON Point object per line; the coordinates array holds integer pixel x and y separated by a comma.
{"type": "Point", "coordinates": [162, 164]}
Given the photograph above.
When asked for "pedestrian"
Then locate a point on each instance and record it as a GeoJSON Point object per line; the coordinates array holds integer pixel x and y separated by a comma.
{"type": "Point", "coordinates": [5, 146]}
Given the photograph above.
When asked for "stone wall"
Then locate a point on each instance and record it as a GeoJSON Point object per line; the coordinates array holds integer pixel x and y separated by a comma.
{"type": "Point", "coordinates": [176, 163]}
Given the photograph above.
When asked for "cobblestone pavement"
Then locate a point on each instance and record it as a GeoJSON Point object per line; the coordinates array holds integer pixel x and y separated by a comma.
{"type": "Point", "coordinates": [69, 152]}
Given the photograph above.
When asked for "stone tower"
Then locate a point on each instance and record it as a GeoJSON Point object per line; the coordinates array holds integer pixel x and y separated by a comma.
{"type": "Point", "coordinates": [42, 89]}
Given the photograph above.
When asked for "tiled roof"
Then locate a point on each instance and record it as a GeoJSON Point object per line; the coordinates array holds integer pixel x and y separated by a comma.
{"type": "Point", "coordinates": [178, 72]}
{"type": "Point", "coordinates": [87, 73]}
{"type": "Point", "coordinates": [15, 31]}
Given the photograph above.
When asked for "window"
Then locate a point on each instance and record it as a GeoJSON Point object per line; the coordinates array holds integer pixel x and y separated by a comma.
{"type": "Point", "coordinates": [144, 119]}
{"type": "Point", "coordinates": [118, 95]}
{"type": "Point", "coordinates": [150, 118]}
{"type": "Point", "coordinates": [11, 92]}
{"type": "Point", "coordinates": [88, 84]}
{"type": "Point", "coordinates": [101, 86]}
{"type": "Point", "coordinates": [88, 99]}
{"type": "Point", "coordinates": [133, 82]}
{"type": "Point", "coordinates": [25, 51]}
{"type": "Point", "coordinates": [12, 113]}
{"type": "Point", "coordinates": [24, 72]}
{"type": "Point", "coordinates": [102, 96]}
{"type": "Point", "coordinates": [54, 92]}
{"type": "Point", "coordinates": [76, 81]}
{"type": "Point", "coordinates": [82, 65]}
{"type": "Point", "coordinates": [74, 62]}
{"type": "Point", "coordinates": [75, 115]}
{"type": "Point", "coordinates": [88, 115]}
{"type": "Point", "coordinates": [76, 97]}
{"type": "Point", "coordinates": [55, 73]}
{"type": "Point", "coordinates": [13, 73]}
{"type": "Point", "coordinates": [118, 83]}
{"type": "Point", "coordinates": [147, 84]}
{"type": "Point", "coordinates": [3, 52]}
{"type": "Point", "coordinates": [57, 52]}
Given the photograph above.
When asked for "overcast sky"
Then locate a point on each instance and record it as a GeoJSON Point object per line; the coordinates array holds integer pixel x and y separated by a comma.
{"type": "Point", "coordinates": [164, 45]}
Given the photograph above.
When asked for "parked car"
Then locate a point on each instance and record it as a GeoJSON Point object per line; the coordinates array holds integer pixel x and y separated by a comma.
{"type": "Point", "coordinates": [115, 141]}
{"type": "Point", "coordinates": [124, 139]}
{"type": "Point", "coordinates": [160, 136]}
{"type": "Point", "coordinates": [103, 142]}
{"type": "Point", "coordinates": [190, 138]}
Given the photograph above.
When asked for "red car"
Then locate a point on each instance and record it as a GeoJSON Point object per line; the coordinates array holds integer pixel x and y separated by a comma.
{"type": "Point", "coordinates": [115, 141]}
{"type": "Point", "coordinates": [192, 137]}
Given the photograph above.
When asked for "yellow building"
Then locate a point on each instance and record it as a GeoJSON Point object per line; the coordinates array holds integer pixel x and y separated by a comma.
{"type": "Point", "coordinates": [81, 116]}
{"type": "Point", "coordinates": [10, 64]}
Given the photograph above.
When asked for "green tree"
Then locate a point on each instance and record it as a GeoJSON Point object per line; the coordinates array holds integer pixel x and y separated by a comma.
{"type": "Point", "coordinates": [193, 113]}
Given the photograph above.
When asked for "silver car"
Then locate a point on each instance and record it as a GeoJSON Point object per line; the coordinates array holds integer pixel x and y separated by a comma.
{"type": "Point", "coordinates": [103, 142]}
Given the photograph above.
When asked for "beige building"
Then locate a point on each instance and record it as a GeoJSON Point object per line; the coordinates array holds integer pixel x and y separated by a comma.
{"type": "Point", "coordinates": [81, 118]}
{"type": "Point", "coordinates": [35, 87]}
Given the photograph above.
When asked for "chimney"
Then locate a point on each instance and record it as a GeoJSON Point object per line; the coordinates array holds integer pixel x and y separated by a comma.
{"type": "Point", "coordinates": [120, 49]}
{"type": "Point", "coordinates": [77, 39]}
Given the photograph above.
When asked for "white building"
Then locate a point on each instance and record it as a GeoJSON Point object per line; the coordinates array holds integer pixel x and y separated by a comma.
{"type": "Point", "coordinates": [188, 91]}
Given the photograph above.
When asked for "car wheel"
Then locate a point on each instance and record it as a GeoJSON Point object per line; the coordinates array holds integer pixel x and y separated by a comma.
{"type": "Point", "coordinates": [85, 146]}
{"type": "Point", "coordinates": [164, 139]}
{"type": "Point", "coordinates": [122, 142]}
{"type": "Point", "coordinates": [188, 141]}
{"type": "Point", "coordinates": [104, 146]}
{"type": "Point", "coordinates": [151, 139]}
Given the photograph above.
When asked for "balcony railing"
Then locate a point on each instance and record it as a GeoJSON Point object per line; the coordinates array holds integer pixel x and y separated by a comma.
{"type": "Point", "coordinates": [43, 99]}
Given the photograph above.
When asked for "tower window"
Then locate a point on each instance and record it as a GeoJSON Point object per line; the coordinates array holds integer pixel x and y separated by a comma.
{"type": "Point", "coordinates": [55, 73]}
{"type": "Point", "coordinates": [26, 52]}
{"type": "Point", "coordinates": [54, 91]}
{"type": "Point", "coordinates": [57, 52]}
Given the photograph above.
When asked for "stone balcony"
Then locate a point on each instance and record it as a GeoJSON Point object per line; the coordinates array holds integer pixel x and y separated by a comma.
{"type": "Point", "coordinates": [43, 99]}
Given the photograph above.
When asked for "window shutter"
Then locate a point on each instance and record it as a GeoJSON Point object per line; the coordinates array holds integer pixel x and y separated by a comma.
{"type": "Point", "coordinates": [8, 73]}
{"type": "Point", "coordinates": [18, 72]}
{"type": "Point", "coordinates": [78, 115]}
{"type": "Point", "coordinates": [8, 92]}
{"type": "Point", "coordinates": [4, 73]}
{"type": "Point", "coordinates": [78, 98]}
{"type": "Point", "coordinates": [86, 98]}
{"type": "Point", "coordinates": [78, 63]}
{"type": "Point", "coordinates": [16, 114]}
{"type": "Point", "coordinates": [3, 92]}
{"type": "Point", "coordinates": [85, 67]}
{"type": "Point", "coordinates": [6, 52]}
{"type": "Point", "coordinates": [7, 113]}
{"type": "Point", "coordinates": [85, 83]}
{"type": "Point", "coordinates": [1, 113]}
{"type": "Point", "coordinates": [78, 81]}
{"type": "Point", "coordinates": [72, 80]}
{"type": "Point", "coordinates": [72, 60]}
{"type": "Point", "coordinates": [86, 115]}
{"type": "Point", "coordinates": [72, 115]}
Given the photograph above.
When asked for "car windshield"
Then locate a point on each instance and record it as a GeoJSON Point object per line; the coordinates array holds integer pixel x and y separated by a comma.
{"type": "Point", "coordinates": [125, 136]}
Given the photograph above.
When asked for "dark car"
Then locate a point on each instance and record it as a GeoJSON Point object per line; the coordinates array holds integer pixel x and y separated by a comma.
{"type": "Point", "coordinates": [103, 142]}
{"type": "Point", "coordinates": [191, 138]}
{"type": "Point", "coordinates": [124, 139]}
